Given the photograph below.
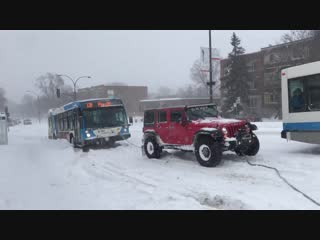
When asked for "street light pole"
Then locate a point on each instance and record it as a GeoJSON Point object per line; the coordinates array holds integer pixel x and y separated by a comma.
{"type": "Point", "coordinates": [210, 70]}
{"type": "Point", "coordinates": [74, 84]}
{"type": "Point", "coordinates": [38, 100]}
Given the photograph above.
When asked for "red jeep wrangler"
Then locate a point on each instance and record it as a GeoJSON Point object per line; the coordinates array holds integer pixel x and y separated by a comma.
{"type": "Point", "coordinates": [199, 129]}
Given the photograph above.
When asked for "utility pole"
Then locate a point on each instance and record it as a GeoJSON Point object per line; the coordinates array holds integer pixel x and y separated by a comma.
{"type": "Point", "coordinates": [210, 69]}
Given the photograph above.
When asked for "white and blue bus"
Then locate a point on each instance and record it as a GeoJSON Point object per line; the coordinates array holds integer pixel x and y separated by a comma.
{"type": "Point", "coordinates": [90, 122]}
{"type": "Point", "coordinates": [301, 103]}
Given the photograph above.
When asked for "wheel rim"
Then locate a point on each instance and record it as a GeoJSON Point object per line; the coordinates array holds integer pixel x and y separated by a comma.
{"type": "Point", "coordinates": [150, 148]}
{"type": "Point", "coordinates": [205, 152]}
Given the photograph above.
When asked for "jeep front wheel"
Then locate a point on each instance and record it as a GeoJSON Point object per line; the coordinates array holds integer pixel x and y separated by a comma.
{"type": "Point", "coordinates": [254, 146]}
{"type": "Point", "coordinates": [208, 152]}
{"type": "Point", "coordinates": [152, 148]}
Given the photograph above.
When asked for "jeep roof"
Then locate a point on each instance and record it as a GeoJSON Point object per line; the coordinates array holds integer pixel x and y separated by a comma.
{"type": "Point", "coordinates": [180, 106]}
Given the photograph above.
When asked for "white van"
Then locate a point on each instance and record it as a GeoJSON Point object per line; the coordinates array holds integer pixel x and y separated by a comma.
{"type": "Point", "coordinates": [3, 129]}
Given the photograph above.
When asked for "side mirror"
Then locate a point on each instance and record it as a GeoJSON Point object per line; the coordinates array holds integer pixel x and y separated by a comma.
{"type": "Point", "coordinates": [130, 120]}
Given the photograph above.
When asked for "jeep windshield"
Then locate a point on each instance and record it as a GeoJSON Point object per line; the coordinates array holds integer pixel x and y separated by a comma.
{"type": "Point", "coordinates": [201, 112]}
{"type": "Point", "coordinates": [105, 117]}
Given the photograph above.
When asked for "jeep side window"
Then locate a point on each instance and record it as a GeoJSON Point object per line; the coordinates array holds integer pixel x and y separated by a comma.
{"type": "Point", "coordinates": [175, 116]}
{"type": "Point", "coordinates": [149, 118]}
{"type": "Point", "coordinates": [162, 117]}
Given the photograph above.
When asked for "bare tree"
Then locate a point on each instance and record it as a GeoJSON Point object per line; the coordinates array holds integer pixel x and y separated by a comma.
{"type": "Point", "coordinates": [48, 83]}
{"type": "Point", "coordinates": [199, 76]}
{"type": "Point", "coordinates": [296, 35]}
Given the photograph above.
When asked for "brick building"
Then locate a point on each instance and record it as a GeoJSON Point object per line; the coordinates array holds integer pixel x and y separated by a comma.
{"type": "Point", "coordinates": [130, 95]}
{"type": "Point", "coordinates": [265, 67]}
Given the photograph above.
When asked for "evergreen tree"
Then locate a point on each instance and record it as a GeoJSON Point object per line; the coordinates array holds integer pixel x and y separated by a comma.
{"type": "Point", "coordinates": [235, 84]}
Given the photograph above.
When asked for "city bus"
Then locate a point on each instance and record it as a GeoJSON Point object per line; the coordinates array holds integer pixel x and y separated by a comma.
{"type": "Point", "coordinates": [90, 122]}
{"type": "Point", "coordinates": [301, 103]}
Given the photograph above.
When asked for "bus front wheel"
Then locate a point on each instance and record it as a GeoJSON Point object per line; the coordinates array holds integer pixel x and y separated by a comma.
{"type": "Point", "coordinates": [85, 149]}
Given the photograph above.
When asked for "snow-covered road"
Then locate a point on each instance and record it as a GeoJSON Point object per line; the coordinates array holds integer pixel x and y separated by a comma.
{"type": "Point", "coordinates": [37, 173]}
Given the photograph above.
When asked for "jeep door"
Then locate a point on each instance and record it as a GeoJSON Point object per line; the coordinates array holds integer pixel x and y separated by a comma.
{"type": "Point", "coordinates": [178, 134]}
{"type": "Point", "coordinates": [162, 125]}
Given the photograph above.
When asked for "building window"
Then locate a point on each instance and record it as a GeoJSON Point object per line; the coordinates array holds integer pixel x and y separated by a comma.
{"type": "Point", "coordinates": [110, 93]}
{"type": "Point", "coordinates": [252, 85]}
{"type": "Point", "coordinates": [251, 67]}
{"type": "Point", "coordinates": [226, 71]}
{"type": "Point", "coordinates": [270, 98]}
{"type": "Point", "coordinates": [271, 78]}
{"type": "Point", "coordinates": [299, 53]}
{"type": "Point", "coordinates": [253, 101]}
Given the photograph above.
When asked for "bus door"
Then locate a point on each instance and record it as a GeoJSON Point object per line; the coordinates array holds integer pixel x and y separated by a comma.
{"type": "Point", "coordinates": [77, 125]}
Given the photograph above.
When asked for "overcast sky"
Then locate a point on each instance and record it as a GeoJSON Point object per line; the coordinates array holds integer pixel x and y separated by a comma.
{"type": "Point", "coordinates": [149, 58]}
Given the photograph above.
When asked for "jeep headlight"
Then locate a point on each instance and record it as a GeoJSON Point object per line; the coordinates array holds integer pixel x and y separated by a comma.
{"type": "Point", "coordinates": [225, 131]}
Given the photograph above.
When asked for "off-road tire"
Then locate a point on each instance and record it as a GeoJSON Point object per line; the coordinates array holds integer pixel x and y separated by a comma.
{"type": "Point", "coordinates": [85, 149]}
{"type": "Point", "coordinates": [254, 146]}
{"type": "Point", "coordinates": [152, 148]}
{"type": "Point", "coordinates": [209, 145]}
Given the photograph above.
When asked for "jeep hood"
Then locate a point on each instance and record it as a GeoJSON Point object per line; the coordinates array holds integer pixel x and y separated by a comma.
{"type": "Point", "coordinates": [216, 122]}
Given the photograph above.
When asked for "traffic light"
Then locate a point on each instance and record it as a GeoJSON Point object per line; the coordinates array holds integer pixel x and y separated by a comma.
{"type": "Point", "coordinates": [58, 93]}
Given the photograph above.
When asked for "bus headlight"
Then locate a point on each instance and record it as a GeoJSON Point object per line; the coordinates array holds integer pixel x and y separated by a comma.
{"type": "Point", "coordinates": [88, 135]}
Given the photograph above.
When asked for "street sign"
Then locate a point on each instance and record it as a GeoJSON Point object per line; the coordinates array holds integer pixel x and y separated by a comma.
{"type": "Point", "coordinates": [204, 56]}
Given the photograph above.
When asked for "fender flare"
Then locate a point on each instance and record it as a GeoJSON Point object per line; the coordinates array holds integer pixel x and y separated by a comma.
{"type": "Point", "coordinates": [216, 135]}
{"type": "Point", "coordinates": [252, 127]}
{"type": "Point", "coordinates": [152, 134]}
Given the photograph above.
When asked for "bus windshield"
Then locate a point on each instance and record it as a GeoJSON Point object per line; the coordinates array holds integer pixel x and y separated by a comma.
{"type": "Point", "coordinates": [105, 117]}
{"type": "Point", "coordinates": [201, 112]}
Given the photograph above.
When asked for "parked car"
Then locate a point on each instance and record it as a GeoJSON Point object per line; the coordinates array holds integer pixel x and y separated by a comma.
{"type": "Point", "coordinates": [198, 129]}
{"type": "Point", "coordinates": [27, 122]}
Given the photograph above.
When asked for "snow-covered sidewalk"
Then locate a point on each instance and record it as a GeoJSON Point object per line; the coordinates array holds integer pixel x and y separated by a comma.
{"type": "Point", "coordinates": [37, 173]}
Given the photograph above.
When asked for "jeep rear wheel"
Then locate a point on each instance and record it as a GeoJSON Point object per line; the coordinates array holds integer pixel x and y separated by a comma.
{"type": "Point", "coordinates": [208, 152]}
{"type": "Point", "coordinates": [152, 148]}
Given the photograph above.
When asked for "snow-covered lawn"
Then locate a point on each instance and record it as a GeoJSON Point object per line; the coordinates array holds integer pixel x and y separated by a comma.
{"type": "Point", "coordinates": [37, 173]}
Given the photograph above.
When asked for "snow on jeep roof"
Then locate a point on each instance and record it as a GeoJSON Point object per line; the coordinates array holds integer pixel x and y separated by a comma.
{"type": "Point", "coordinates": [182, 106]}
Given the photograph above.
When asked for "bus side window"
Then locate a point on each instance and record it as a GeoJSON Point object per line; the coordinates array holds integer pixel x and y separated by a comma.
{"type": "Point", "coordinates": [297, 101]}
